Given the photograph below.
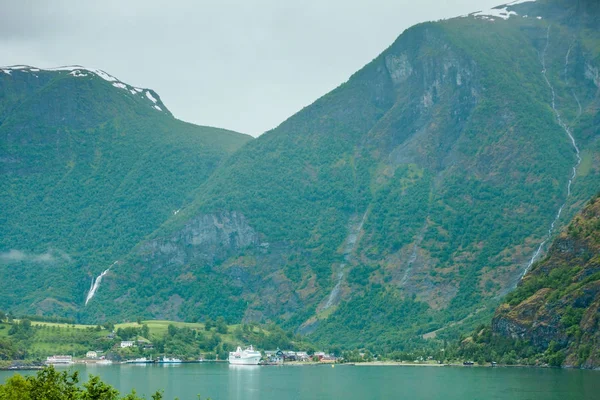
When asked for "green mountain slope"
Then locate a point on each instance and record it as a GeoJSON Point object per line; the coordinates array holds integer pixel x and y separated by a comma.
{"type": "Point", "coordinates": [558, 302]}
{"type": "Point", "coordinates": [406, 200]}
{"type": "Point", "coordinates": [89, 167]}
{"type": "Point", "coordinates": [553, 315]}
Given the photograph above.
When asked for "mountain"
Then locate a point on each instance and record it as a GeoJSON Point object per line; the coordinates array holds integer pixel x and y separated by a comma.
{"type": "Point", "coordinates": [407, 201]}
{"type": "Point", "coordinates": [403, 204]}
{"type": "Point", "coordinates": [89, 166]}
{"type": "Point", "coordinates": [553, 316]}
{"type": "Point", "coordinates": [557, 304]}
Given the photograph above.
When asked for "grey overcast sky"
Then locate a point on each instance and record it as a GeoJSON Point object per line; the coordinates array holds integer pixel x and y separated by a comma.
{"type": "Point", "coordinates": [242, 65]}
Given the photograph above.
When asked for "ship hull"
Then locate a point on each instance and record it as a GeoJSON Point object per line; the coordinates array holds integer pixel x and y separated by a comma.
{"type": "Point", "coordinates": [253, 360]}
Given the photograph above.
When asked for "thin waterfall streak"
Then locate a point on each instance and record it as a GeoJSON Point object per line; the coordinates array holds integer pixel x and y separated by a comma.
{"type": "Point", "coordinates": [567, 130]}
{"type": "Point", "coordinates": [580, 111]}
{"type": "Point", "coordinates": [567, 59]}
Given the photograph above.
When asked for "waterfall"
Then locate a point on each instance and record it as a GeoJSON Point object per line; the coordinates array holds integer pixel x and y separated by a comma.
{"type": "Point", "coordinates": [567, 130]}
{"type": "Point", "coordinates": [96, 284]}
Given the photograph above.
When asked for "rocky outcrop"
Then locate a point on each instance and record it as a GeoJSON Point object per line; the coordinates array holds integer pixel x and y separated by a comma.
{"type": "Point", "coordinates": [208, 237]}
{"type": "Point", "coordinates": [558, 301]}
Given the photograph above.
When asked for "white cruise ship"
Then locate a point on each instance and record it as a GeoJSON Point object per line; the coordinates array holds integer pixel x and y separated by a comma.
{"type": "Point", "coordinates": [59, 360]}
{"type": "Point", "coordinates": [248, 356]}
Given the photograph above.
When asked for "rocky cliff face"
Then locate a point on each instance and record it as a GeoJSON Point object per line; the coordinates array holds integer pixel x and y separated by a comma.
{"type": "Point", "coordinates": [206, 238]}
{"type": "Point", "coordinates": [558, 302]}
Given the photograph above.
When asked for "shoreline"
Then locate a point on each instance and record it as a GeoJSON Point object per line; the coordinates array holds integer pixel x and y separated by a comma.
{"type": "Point", "coordinates": [34, 367]}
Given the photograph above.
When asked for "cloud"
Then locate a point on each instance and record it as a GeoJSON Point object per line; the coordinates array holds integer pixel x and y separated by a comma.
{"type": "Point", "coordinates": [51, 256]}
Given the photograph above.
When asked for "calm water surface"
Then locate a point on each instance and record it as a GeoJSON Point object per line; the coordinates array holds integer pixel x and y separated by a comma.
{"type": "Point", "coordinates": [221, 382]}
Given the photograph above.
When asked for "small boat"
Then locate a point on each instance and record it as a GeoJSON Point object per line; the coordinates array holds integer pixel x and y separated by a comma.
{"type": "Point", "coordinates": [59, 360]}
{"type": "Point", "coordinates": [468, 363]}
{"type": "Point", "coordinates": [248, 356]}
{"type": "Point", "coordinates": [142, 360]}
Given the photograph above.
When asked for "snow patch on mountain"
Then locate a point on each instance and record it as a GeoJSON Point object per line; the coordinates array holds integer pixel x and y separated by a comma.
{"type": "Point", "coordinates": [79, 71]}
{"type": "Point", "coordinates": [495, 13]}
{"type": "Point", "coordinates": [501, 11]}
{"type": "Point", "coordinates": [514, 3]}
{"type": "Point", "coordinates": [152, 99]}
{"type": "Point", "coordinates": [95, 71]}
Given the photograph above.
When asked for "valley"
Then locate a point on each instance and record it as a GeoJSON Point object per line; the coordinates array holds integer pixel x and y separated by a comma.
{"type": "Point", "coordinates": [404, 210]}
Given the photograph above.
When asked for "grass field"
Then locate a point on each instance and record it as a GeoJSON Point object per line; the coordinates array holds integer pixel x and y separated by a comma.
{"type": "Point", "coordinates": [47, 338]}
{"type": "Point", "coordinates": [62, 325]}
{"type": "Point", "coordinates": [158, 328]}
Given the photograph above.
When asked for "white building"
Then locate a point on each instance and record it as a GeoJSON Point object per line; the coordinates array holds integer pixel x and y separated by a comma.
{"type": "Point", "coordinates": [126, 343]}
{"type": "Point", "coordinates": [91, 354]}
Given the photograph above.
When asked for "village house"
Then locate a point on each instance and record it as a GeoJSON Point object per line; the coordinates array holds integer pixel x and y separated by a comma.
{"type": "Point", "coordinates": [145, 344]}
{"type": "Point", "coordinates": [91, 354]}
{"type": "Point", "coordinates": [274, 357]}
{"type": "Point", "coordinates": [328, 359]}
{"type": "Point", "coordinates": [126, 343]}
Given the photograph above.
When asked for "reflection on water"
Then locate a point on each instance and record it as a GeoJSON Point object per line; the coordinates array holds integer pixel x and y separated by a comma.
{"type": "Point", "coordinates": [244, 367]}
{"type": "Point", "coordinates": [244, 381]}
{"type": "Point", "coordinates": [220, 381]}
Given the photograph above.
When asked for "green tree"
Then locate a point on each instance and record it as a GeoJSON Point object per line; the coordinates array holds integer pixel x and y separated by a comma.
{"type": "Point", "coordinates": [145, 331]}
{"type": "Point", "coordinates": [208, 324]}
{"type": "Point", "coordinates": [221, 325]}
{"type": "Point", "coordinates": [50, 384]}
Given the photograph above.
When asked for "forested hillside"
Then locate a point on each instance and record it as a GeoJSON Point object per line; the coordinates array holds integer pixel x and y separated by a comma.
{"type": "Point", "coordinates": [553, 316]}
{"type": "Point", "coordinates": [89, 166]}
{"type": "Point", "coordinates": [408, 199]}
{"type": "Point", "coordinates": [405, 202]}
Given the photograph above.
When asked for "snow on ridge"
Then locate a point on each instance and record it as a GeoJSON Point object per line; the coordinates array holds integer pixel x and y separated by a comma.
{"type": "Point", "coordinates": [495, 12]}
{"type": "Point", "coordinates": [76, 70]}
{"type": "Point", "coordinates": [18, 67]}
{"type": "Point", "coordinates": [500, 11]}
{"type": "Point", "coordinates": [152, 99]}
{"type": "Point", "coordinates": [10, 68]}
{"type": "Point", "coordinates": [98, 72]}
{"type": "Point", "coordinates": [514, 3]}
{"type": "Point", "coordinates": [79, 71]}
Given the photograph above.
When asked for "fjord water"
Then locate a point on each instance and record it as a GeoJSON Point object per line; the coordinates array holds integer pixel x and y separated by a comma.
{"type": "Point", "coordinates": [224, 382]}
